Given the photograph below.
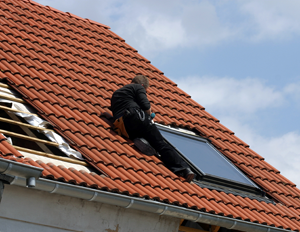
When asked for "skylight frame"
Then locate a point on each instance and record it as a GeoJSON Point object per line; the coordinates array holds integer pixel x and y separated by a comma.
{"type": "Point", "coordinates": [203, 178]}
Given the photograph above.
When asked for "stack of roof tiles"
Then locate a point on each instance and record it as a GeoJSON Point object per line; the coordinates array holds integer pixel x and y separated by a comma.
{"type": "Point", "coordinates": [67, 68]}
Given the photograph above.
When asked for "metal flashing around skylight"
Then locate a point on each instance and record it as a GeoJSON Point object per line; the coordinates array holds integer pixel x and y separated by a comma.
{"type": "Point", "coordinates": [235, 191]}
{"type": "Point", "coordinates": [211, 166]}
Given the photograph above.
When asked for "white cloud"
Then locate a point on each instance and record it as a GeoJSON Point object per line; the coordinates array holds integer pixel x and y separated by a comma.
{"type": "Point", "coordinates": [293, 90]}
{"type": "Point", "coordinates": [159, 25]}
{"type": "Point", "coordinates": [153, 26]}
{"type": "Point", "coordinates": [272, 19]}
{"type": "Point", "coordinates": [153, 34]}
{"type": "Point", "coordinates": [203, 25]}
{"type": "Point", "coordinates": [220, 94]}
{"type": "Point", "coordinates": [162, 30]}
{"type": "Point", "coordinates": [282, 151]}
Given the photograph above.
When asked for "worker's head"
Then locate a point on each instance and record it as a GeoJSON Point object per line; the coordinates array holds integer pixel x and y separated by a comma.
{"type": "Point", "coordinates": [141, 79]}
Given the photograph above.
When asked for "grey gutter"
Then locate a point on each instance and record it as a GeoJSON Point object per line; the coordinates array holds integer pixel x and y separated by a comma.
{"type": "Point", "coordinates": [12, 168]}
{"type": "Point", "coordinates": [130, 202]}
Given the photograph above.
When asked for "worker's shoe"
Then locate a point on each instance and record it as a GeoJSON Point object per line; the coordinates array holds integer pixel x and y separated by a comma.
{"type": "Point", "coordinates": [143, 145]}
{"type": "Point", "coordinates": [187, 174]}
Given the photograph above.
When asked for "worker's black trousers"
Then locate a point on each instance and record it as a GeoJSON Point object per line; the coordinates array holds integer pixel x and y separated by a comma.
{"type": "Point", "coordinates": [138, 128]}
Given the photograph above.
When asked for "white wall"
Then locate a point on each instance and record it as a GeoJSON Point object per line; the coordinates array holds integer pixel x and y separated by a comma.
{"type": "Point", "coordinates": [28, 210]}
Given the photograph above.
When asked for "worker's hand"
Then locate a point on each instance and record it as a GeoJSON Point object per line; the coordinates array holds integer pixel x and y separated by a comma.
{"type": "Point", "coordinates": [148, 111]}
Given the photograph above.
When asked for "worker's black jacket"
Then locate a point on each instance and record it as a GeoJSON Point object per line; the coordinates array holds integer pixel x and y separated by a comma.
{"type": "Point", "coordinates": [129, 96]}
{"type": "Point", "coordinates": [133, 98]}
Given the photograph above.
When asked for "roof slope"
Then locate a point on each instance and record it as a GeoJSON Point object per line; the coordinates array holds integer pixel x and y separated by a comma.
{"type": "Point", "coordinates": [67, 68]}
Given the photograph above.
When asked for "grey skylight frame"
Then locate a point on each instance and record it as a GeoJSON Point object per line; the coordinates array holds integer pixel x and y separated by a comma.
{"type": "Point", "coordinates": [209, 179]}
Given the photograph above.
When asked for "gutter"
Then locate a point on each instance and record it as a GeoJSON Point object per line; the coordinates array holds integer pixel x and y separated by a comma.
{"type": "Point", "coordinates": [9, 169]}
{"type": "Point", "coordinates": [21, 173]}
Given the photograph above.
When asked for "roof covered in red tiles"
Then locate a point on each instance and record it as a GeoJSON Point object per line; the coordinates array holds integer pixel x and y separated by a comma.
{"type": "Point", "coordinates": [67, 68]}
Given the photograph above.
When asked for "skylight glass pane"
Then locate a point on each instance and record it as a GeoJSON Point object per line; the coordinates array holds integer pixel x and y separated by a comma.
{"type": "Point", "coordinates": [204, 157]}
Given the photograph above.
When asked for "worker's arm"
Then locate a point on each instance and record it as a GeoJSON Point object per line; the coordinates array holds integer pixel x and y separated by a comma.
{"type": "Point", "coordinates": [148, 111]}
{"type": "Point", "coordinates": [142, 100]}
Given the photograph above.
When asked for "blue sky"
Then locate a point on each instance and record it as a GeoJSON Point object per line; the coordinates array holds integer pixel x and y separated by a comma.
{"type": "Point", "coordinates": [239, 59]}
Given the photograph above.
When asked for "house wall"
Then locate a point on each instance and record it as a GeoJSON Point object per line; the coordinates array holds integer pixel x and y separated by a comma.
{"type": "Point", "coordinates": [29, 210]}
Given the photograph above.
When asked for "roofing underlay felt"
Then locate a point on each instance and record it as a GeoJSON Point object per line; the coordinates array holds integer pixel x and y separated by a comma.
{"type": "Point", "coordinates": [67, 68]}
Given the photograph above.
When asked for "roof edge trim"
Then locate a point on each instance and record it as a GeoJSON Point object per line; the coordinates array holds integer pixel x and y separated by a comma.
{"type": "Point", "coordinates": [150, 206]}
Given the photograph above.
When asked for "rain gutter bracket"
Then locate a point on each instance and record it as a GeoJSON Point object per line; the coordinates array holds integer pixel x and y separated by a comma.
{"type": "Point", "coordinates": [12, 170]}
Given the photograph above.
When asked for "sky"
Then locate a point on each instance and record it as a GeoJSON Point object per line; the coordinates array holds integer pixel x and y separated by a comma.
{"type": "Point", "coordinates": [238, 59]}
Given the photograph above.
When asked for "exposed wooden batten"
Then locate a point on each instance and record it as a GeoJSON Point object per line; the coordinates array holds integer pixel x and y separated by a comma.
{"type": "Point", "coordinates": [5, 86]}
{"type": "Point", "coordinates": [13, 99]}
{"type": "Point", "coordinates": [14, 110]}
{"type": "Point", "coordinates": [69, 160]}
{"type": "Point", "coordinates": [23, 124]}
{"type": "Point", "coordinates": [29, 138]}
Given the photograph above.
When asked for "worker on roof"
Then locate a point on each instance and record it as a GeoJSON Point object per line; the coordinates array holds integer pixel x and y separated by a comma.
{"type": "Point", "coordinates": [131, 110]}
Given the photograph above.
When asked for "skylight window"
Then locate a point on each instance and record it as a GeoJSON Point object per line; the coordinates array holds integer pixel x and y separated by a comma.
{"type": "Point", "coordinates": [210, 165]}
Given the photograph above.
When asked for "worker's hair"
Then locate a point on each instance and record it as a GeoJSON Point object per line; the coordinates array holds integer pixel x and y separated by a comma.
{"type": "Point", "coordinates": [141, 79]}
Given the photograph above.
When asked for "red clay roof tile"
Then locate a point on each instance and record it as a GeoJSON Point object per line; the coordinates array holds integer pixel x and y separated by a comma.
{"type": "Point", "coordinates": [68, 67]}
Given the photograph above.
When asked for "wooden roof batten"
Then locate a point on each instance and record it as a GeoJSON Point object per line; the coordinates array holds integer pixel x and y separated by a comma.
{"type": "Point", "coordinates": [29, 126]}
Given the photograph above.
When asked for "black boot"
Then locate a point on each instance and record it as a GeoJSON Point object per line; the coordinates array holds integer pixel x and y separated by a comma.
{"type": "Point", "coordinates": [187, 174]}
{"type": "Point", "coordinates": [143, 145]}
